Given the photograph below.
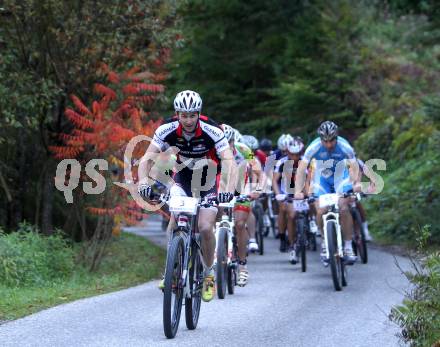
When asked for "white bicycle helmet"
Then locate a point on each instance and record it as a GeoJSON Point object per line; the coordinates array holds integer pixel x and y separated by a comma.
{"type": "Point", "coordinates": [188, 101]}
{"type": "Point", "coordinates": [280, 141]}
{"type": "Point", "coordinates": [283, 141]}
{"type": "Point", "coordinates": [251, 142]}
{"type": "Point", "coordinates": [229, 132]}
{"type": "Point", "coordinates": [295, 146]}
{"type": "Point", "coordinates": [238, 137]}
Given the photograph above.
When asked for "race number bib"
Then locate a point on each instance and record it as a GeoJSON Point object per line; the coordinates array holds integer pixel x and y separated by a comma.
{"type": "Point", "coordinates": [328, 200]}
{"type": "Point", "coordinates": [183, 204]}
{"type": "Point", "coordinates": [300, 205]}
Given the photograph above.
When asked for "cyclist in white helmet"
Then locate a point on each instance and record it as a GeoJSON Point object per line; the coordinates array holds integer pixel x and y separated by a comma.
{"type": "Point", "coordinates": [282, 143]}
{"type": "Point", "coordinates": [251, 142]}
{"type": "Point", "coordinates": [285, 176]}
{"type": "Point", "coordinates": [197, 138]}
{"type": "Point", "coordinates": [251, 175]}
{"type": "Point", "coordinates": [238, 137]}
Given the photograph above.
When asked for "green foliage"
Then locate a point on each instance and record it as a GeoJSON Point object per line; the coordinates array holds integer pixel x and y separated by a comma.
{"type": "Point", "coordinates": [410, 198]}
{"type": "Point", "coordinates": [419, 315]}
{"type": "Point", "coordinates": [28, 258]}
{"type": "Point", "coordinates": [230, 52]}
{"type": "Point", "coordinates": [321, 65]}
{"type": "Point", "coordinates": [129, 260]}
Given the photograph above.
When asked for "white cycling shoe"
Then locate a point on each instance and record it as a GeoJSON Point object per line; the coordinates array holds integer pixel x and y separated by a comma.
{"type": "Point", "coordinates": [253, 245]}
{"type": "Point", "coordinates": [349, 256]}
{"type": "Point", "coordinates": [292, 256]}
{"type": "Point", "coordinates": [368, 237]}
{"type": "Point", "coordinates": [323, 256]}
{"type": "Point", "coordinates": [243, 276]}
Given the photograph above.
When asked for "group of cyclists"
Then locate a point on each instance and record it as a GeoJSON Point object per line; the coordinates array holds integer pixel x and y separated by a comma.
{"type": "Point", "coordinates": [241, 164]}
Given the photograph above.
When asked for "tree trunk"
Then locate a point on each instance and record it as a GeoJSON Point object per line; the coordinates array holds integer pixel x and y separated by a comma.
{"type": "Point", "coordinates": [48, 195]}
{"type": "Point", "coordinates": [22, 178]}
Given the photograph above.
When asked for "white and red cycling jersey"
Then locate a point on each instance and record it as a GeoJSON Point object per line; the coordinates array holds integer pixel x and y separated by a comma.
{"type": "Point", "coordinates": [207, 142]}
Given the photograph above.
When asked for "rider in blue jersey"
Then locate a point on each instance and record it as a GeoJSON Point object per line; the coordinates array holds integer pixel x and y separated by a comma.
{"type": "Point", "coordinates": [333, 156]}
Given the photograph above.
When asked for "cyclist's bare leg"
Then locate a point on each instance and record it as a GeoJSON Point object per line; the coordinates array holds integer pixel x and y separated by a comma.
{"type": "Point", "coordinates": [206, 224]}
{"type": "Point", "coordinates": [251, 225]}
{"type": "Point", "coordinates": [171, 226]}
{"type": "Point", "coordinates": [242, 236]}
{"type": "Point", "coordinates": [312, 211]}
{"type": "Point", "coordinates": [361, 211]}
{"type": "Point", "coordinates": [282, 218]}
{"type": "Point", "coordinates": [291, 225]}
{"type": "Point", "coordinates": [319, 213]}
{"type": "Point", "coordinates": [346, 219]}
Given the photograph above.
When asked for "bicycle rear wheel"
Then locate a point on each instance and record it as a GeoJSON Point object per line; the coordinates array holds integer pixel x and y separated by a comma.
{"type": "Point", "coordinates": [267, 224]}
{"type": "Point", "coordinates": [222, 262]}
{"type": "Point", "coordinates": [192, 304]}
{"type": "Point", "coordinates": [259, 230]}
{"type": "Point", "coordinates": [301, 235]}
{"type": "Point", "coordinates": [335, 260]}
{"type": "Point", "coordinates": [232, 274]}
{"type": "Point", "coordinates": [359, 237]}
{"type": "Point", "coordinates": [173, 291]}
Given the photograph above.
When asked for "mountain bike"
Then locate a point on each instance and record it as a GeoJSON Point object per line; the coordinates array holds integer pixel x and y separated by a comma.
{"type": "Point", "coordinates": [333, 239]}
{"type": "Point", "coordinates": [226, 252]}
{"type": "Point", "coordinates": [184, 269]}
{"type": "Point", "coordinates": [359, 241]}
{"type": "Point", "coordinates": [270, 216]}
{"type": "Point", "coordinates": [258, 211]}
{"type": "Point", "coordinates": [303, 233]}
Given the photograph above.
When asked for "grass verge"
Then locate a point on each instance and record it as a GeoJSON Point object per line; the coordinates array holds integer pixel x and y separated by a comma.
{"type": "Point", "coordinates": [129, 260]}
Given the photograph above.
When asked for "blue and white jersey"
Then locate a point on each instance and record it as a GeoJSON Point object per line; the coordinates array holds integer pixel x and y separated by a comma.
{"type": "Point", "coordinates": [328, 161]}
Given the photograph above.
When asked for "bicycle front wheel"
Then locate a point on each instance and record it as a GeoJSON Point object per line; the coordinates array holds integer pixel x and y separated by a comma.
{"type": "Point", "coordinates": [173, 291]}
{"type": "Point", "coordinates": [335, 260]}
{"type": "Point", "coordinates": [192, 304]}
{"type": "Point", "coordinates": [222, 262]}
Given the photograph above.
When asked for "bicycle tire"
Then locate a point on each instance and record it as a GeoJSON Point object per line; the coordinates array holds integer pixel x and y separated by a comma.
{"type": "Point", "coordinates": [334, 259]}
{"type": "Point", "coordinates": [266, 228]}
{"type": "Point", "coordinates": [231, 279]}
{"type": "Point", "coordinates": [359, 237]}
{"type": "Point", "coordinates": [259, 229]}
{"type": "Point", "coordinates": [192, 304]}
{"type": "Point", "coordinates": [300, 234]}
{"type": "Point", "coordinates": [172, 285]}
{"type": "Point", "coordinates": [222, 262]}
{"type": "Point", "coordinates": [312, 242]}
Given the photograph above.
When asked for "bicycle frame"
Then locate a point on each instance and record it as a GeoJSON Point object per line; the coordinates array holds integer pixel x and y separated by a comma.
{"type": "Point", "coordinates": [333, 216]}
{"type": "Point", "coordinates": [228, 222]}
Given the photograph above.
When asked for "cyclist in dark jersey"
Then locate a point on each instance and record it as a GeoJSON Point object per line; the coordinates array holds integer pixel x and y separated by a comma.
{"type": "Point", "coordinates": [196, 140]}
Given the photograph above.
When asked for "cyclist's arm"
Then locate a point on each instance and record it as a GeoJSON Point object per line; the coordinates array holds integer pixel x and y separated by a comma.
{"type": "Point", "coordinates": [276, 177]}
{"type": "Point", "coordinates": [229, 171]}
{"type": "Point", "coordinates": [258, 175]}
{"type": "Point", "coordinates": [355, 177]}
{"type": "Point", "coordinates": [147, 162]}
{"type": "Point", "coordinates": [300, 177]}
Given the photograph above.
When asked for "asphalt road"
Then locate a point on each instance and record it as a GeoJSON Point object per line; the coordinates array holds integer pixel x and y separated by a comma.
{"type": "Point", "coordinates": [279, 307]}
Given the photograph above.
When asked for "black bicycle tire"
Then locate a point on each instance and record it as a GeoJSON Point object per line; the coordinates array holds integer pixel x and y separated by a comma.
{"type": "Point", "coordinates": [222, 262]}
{"type": "Point", "coordinates": [334, 260]}
{"type": "Point", "coordinates": [192, 305]}
{"type": "Point", "coordinates": [361, 248]}
{"type": "Point", "coordinates": [170, 328]}
{"type": "Point", "coordinates": [301, 236]}
{"type": "Point", "coordinates": [259, 229]}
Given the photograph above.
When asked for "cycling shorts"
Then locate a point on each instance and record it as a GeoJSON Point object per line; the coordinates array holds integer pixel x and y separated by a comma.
{"type": "Point", "coordinates": [327, 185]}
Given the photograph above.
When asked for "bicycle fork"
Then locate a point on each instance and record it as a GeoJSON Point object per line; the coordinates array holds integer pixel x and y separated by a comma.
{"type": "Point", "coordinates": [333, 218]}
